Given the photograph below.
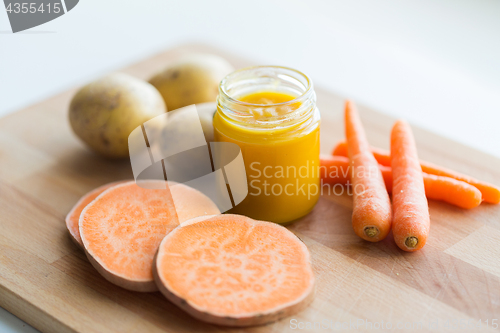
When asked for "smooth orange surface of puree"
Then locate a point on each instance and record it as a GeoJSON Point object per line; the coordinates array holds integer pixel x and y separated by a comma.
{"type": "Point", "coordinates": [281, 162]}
{"type": "Point", "coordinates": [266, 97]}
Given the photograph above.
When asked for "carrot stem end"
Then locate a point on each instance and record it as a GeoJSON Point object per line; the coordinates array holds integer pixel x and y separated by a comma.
{"type": "Point", "coordinates": [411, 242]}
{"type": "Point", "coordinates": [371, 232]}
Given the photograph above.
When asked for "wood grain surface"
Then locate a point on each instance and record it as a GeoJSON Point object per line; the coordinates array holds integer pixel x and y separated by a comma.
{"type": "Point", "coordinates": [450, 285]}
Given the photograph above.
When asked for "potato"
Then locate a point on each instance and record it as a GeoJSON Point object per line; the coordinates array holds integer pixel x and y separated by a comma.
{"type": "Point", "coordinates": [104, 112]}
{"type": "Point", "coordinates": [191, 80]}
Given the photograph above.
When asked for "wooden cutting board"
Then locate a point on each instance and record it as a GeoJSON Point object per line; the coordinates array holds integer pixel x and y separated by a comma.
{"type": "Point", "coordinates": [48, 282]}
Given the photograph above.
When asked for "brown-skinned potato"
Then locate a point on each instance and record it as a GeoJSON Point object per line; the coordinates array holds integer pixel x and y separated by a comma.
{"type": "Point", "coordinates": [192, 79]}
{"type": "Point", "coordinates": [104, 112]}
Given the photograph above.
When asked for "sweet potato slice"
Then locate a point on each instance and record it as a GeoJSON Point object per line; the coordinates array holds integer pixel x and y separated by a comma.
{"type": "Point", "coordinates": [122, 228]}
{"type": "Point", "coordinates": [190, 203]}
{"type": "Point", "coordinates": [74, 214]}
{"type": "Point", "coordinates": [235, 271]}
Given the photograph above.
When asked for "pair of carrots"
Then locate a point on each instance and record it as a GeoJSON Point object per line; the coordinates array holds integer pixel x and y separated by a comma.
{"type": "Point", "coordinates": [450, 190]}
{"type": "Point", "coordinates": [469, 192]}
{"type": "Point", "coordinates": [399, 171]}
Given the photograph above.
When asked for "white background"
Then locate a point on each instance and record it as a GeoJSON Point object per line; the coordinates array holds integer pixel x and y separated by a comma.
{"type": "Point", "coordinates": [434, 62]}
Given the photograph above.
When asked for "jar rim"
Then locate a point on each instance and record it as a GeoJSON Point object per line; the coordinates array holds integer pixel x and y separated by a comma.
{"type": "Point", "coordinates": [303, 95]}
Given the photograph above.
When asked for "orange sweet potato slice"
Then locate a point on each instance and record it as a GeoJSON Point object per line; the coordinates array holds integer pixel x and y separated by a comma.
{"type": "Point", "coordinates": [235, 271]}
{"type": "Point", "coordinates": [190, 203]}
{"type": "Point", "coordinates": [122, 228]}
{"type": "Point", "coordinates": [74, 214]}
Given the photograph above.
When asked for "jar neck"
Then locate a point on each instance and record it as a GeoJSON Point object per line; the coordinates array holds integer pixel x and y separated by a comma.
{"type": "Point", "coordinates": [266, 79]}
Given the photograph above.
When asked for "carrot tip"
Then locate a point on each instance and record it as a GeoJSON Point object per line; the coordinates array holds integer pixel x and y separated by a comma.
{"type": "Point", "coordinates": [371, 231]}
{"type": "Point", "coordinates": [411, 242]}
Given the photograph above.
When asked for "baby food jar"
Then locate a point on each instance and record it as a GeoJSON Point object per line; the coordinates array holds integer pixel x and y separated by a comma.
{"type": "Point", "coordinates": [270, 113]}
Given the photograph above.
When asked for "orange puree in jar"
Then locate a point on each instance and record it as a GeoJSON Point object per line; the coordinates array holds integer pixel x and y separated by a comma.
{"type": "Point", "coordinates": [266, 97]}
{"type": "Point", "coordinates": [276, 127]}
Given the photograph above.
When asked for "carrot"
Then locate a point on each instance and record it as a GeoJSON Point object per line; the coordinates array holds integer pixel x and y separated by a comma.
{"type": "Point", "coordinates": [411, 213]}
{"type": "Point", "coordinates": [371, 217]}
{"type": "Point", "coordinates": [387, 175]}
{"type": "Point", "coordinates": [235, 271]}
{"type": "Point", "coordinates": [451, 190]}
{"type": "Point", "coordinates": [490, 193]}
{"type": "Point", "coordinates": [335, 170]}
{"type": "Point", "coordinates": [122, 228]}
{"type": "Point", "coordinates": [74, 214]}
{"type": "Point", "coordinates": [383, 157]}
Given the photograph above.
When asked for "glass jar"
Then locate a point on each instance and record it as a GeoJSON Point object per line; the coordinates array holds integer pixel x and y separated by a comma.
{"type": "Point", "coordinates": [278, 137]}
